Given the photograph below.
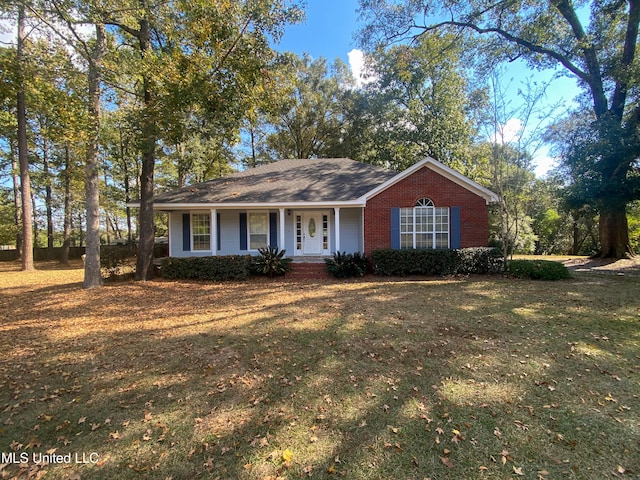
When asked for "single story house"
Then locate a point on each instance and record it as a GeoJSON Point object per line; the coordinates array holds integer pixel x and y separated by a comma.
{"type": "Point", "coordinates": [316, 207]}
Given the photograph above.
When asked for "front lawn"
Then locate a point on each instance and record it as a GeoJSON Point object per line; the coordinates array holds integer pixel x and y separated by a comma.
{"type": "Point", "coordinates": [460, 378]}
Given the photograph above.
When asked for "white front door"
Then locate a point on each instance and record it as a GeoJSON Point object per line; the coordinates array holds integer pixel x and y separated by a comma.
{"type": "Point", "coordinates": [312, 233]}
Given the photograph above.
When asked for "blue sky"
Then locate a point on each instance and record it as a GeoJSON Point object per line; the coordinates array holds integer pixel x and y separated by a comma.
{"type": "Point", "coordinates": [329, 32]}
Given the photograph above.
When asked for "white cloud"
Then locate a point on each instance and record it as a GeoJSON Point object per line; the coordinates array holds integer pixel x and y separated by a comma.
{"type": "Point", "coordinates": [544, 162]}
{"type": "Point", "coordinates": [358, 68]}
{"type": "Point", "coordinates": [7, 32]}
{"type": "Point", "coordinates": [35, 30]}
{"type": "Point", "coordinates": [508, 133]}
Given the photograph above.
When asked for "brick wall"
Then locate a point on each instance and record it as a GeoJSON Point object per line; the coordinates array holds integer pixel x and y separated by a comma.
{"type": "Point", "coordinates": [425, 183]}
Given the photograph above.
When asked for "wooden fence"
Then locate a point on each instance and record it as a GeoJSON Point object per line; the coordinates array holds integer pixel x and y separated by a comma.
{"type": "Point", "coordinates": [40, 254]}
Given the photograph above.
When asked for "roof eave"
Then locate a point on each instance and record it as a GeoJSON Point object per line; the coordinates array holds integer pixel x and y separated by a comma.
{"type": "Point", "coordinates": [252, 205]}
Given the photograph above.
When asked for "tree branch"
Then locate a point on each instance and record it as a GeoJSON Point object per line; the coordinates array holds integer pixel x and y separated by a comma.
{"type": "Point", "coordinates": [628, 55]}
{"type": "Point", "coordinates": [70, 26]}
{"type": "Point", "coordinates": [594, 78]}
{"type": "Point", "coordinates": [532, 47]}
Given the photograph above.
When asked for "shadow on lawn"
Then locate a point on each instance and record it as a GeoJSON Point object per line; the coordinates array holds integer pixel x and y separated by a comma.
{"type": "Point", "coordinates": [361, 380]}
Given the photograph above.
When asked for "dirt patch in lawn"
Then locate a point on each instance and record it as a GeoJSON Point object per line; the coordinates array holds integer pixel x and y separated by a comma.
{"type": "Point", "coordinates": [625, 266]}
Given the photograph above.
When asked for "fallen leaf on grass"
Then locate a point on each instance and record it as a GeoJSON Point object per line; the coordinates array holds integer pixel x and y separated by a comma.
{"type": "Point", "coordinates": [447, 462]}
{"type": "Point", "coordinates": [518, 471]}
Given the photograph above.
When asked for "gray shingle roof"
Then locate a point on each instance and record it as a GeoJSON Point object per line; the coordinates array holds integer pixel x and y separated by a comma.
{"type": "Point", "coordinates": [308, 180]}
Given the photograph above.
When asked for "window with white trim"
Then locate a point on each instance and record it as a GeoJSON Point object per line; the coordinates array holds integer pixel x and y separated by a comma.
{"type": "Point", "coordinates": [258, 230]}
{"type": "Point", "coordinates": [424, 226]}
{"type": "Point", "coordinates": [201, 231]}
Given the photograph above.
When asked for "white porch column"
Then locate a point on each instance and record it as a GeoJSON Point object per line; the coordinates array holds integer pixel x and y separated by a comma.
{"type": "Point", "coordinates": [362, 227]}
{"type": "Point", "coordinates": [337, 222]}
{"type": "Point", "coordinates": [214, 232]}
{"type": "Point", "coordinates": [281, 243]}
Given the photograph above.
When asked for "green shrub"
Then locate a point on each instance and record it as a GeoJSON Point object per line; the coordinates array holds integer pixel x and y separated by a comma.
{"type": "Point", "coordinates": [436, 262]}
{"type": "Point", "coordinates": [344, 265]}
{"type": "Point", "coordinates": [480, 260]}
{"type": "Point", "coordinates": [271, 262]}
{"type": "Point", "coordinates": [231, 267]}
{"type": "Point", "coordinates": [538, 270]}
{"type": "Point", "coordinates": [116, 261]}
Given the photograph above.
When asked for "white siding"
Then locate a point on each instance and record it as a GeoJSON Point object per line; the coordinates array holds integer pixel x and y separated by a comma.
{"type": "Point", "coordinates": [351, 230]}
{"type": "Point", "coordinates": [230, 233]}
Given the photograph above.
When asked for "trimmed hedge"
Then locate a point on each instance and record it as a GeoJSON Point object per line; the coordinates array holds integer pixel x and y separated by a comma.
{"type": "Point", "coordinates": [538, 270]}
{"type": "Point", "coordinates": [230, 267]}
{"type": "Point", "coordinates": [437, 262]}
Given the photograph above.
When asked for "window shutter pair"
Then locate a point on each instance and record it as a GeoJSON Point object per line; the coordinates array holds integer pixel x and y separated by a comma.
{"type": "Point", "coordinates": [186, 232]}
{"type": "Point", "coordinates": [273, 230]}
{"type": "Point", "coordinates": [454, 228]}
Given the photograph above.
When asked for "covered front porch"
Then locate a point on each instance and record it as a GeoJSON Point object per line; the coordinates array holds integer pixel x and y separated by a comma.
{"type": "Point", "coordinates": [303, 231]}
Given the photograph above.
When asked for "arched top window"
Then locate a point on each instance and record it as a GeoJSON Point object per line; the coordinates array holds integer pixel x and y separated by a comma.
{"type": "Point", "coordinates": [425, 202]}
{"type": "Point", "coordinates": [424, 225]}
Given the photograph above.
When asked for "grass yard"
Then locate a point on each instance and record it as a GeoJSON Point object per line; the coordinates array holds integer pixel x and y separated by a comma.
{"type": "Point", "coordinates": [460, 378]}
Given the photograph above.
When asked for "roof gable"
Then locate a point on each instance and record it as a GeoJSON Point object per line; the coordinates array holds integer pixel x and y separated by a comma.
{"type": "Point", "coordinates": [447, 172]}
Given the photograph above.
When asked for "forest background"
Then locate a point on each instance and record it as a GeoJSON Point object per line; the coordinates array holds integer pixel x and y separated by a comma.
{"type": "Point", "coordinates": [120, 100]}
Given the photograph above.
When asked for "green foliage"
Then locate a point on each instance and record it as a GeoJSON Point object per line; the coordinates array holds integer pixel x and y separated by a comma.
{"type": "Point", "coordinates": [344, 265]}
{"type": "Point", "coordinates": [8, 228]}
{"type": "Point", "coordinates": [479, 260]}
{"type": "Point", "coordinates": [307, 117]}
{"type": "Point", "coordinates": [116, 261]}
{"type": "Point", "coordinates": [436, 262]}
{"type": "Point", "coordinates": [420, 96]}
{"type": "Point", "coordinates": [549, 227]}
{"type": "Point", "coordinates": [271, 262]}
{"type": "Point", "coordinates": [231, 267]}
{"type": "Point", "coordinates": [538, 270]}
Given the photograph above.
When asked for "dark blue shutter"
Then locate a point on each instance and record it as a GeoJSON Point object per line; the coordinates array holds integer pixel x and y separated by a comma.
{"type": "Point", "coordinates": [186, 232]}
{"type": "Point", "coordinates": [395, 228]}
{"type": "Point", "coordinates": [273, 230]}
{"type": "Point", "coordinates": [218, 231]}
{"type": "Point", "coordinates": [243, 231]}
{"type": "Point", "coordinates": [454, 219]}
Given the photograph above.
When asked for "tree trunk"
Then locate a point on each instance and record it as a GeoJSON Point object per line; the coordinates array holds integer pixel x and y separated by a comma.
{"type": "Point", "coordinates": [107, 230]}
{"type": "Point", "coordinates": [146, 229]}
{"type": "Point", "coordinates": [48, 199]}
{"type": "Point", "coordinates": [92, 274]}
{"type": "Point", "coordinates": [127, 188]}
{"type": "Point", "coordinates": [66, 229]}
{"type": "Point", "coordinates": [614, 233]}
{"type": "Point", "coordinates": [34, 219]}
{"type": "Point", "coordinates": [17, 217]}
{"type": "Point", "coordinates": [23, 156]}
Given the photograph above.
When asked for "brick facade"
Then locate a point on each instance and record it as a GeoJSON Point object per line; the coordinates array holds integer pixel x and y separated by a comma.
{"type": "Point", "coordinates": [425, 183]}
